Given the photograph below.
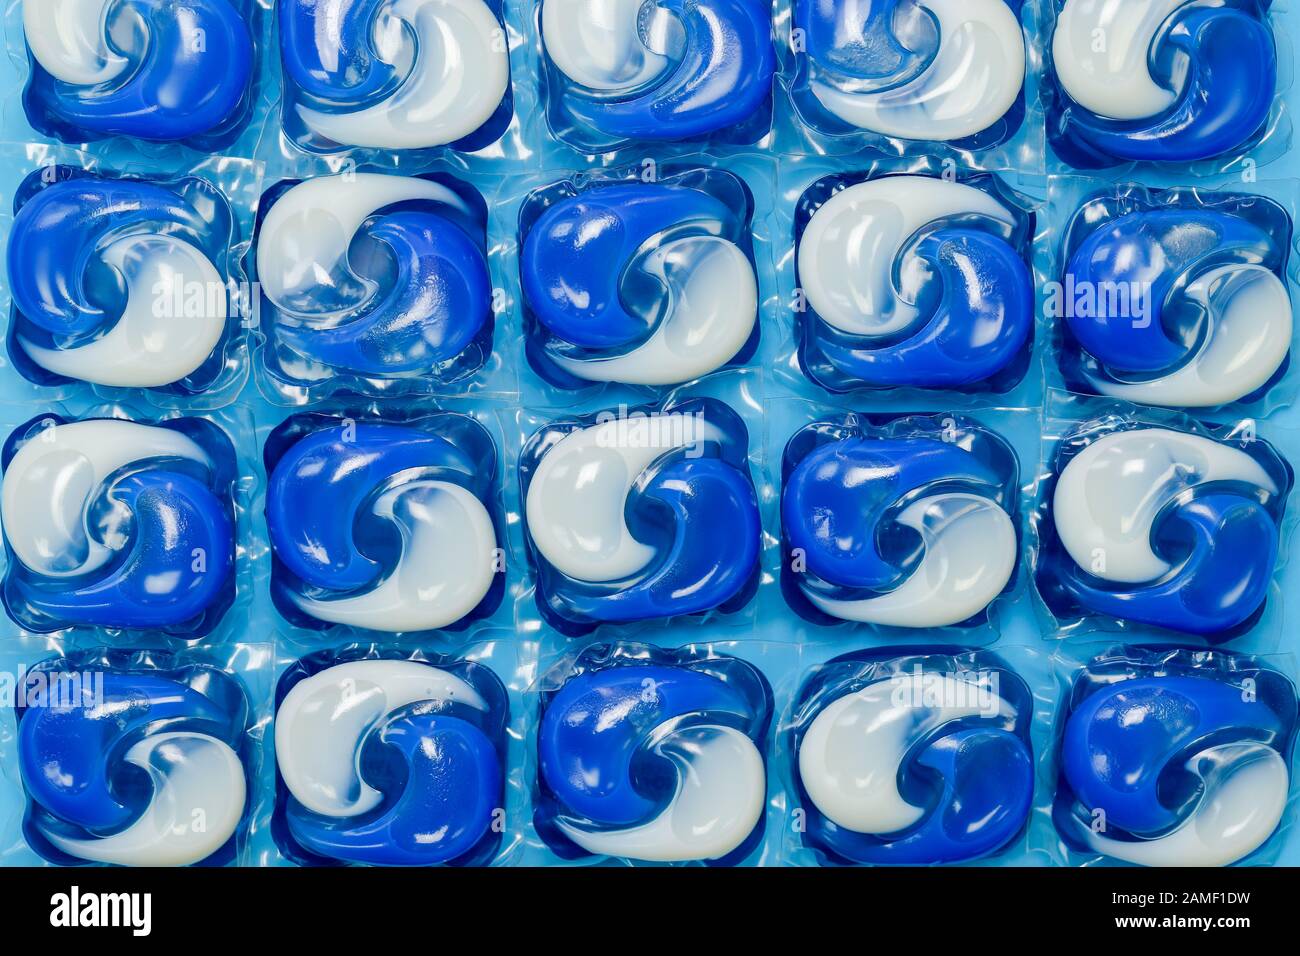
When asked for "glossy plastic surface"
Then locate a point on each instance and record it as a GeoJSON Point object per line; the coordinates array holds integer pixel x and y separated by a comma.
{"type": "Point", "coordinates": [134, 68]}
{"type": "Point", "coordinates": [118, 282]}
{"type": "Point", "coordinates": [1164, 527]}
{"type": "Point", "coordinates": [116, 524]}
{"type": "Point", "coordinates": [149, 765]}
{"type": "Point", "coordinates": [382, 526]}
{"type": "Point", "coordinates": [913, 760]}
{"type": "Point", "coordinates": [648, 515]}
{"type": "Point", "coordinates": [654, 756]}
{"type": "Point", "coordinates": [621, 70]}
{"type": "Point", "coordinates": [910, 525]}
{"type": "Point", "coordinates": [394, 74]}
{"type": "Point", "coordinates": [640, 283]}
{"type": "Point", "coordinates": [372, 278]}
{"type": "Point", "coordinates": [1175, 81]}
{"type": "Point", "coordinates": [913, 281]}
{"type": "Point", "coordinates": [1177, 298]}
{"type": "Point", "coordinates": [389, 762]}
{"type": "Point", "coordinates": [1182, 767]}
{"type": "Point", "coordinates": [928, 70]}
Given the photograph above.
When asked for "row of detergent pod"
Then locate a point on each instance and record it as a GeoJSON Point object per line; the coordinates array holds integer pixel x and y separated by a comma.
{"type": "Point", "coordinates": [639, 753]}
{"type": "Point", "coordinates": [1148, 80]}
{"type": "Point", "coordinates": [400, 524]}
{"type": "Point", "coordinates": [382, 285]}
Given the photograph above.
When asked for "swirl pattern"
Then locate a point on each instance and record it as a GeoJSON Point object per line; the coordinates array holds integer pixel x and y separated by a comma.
{"type": "Point", "coordinates": [1176, 81]}
{"type": "Point", "coordinates": [669, 70]}
{"type": "Point", "coordinates": [640, 283]}
{"type": "Point", "coordinates": [656, 759]}
{"type": "Point", "coordinates": [390, 762]}
{"type": "Point", "coordinates": [375, 276]}
{"type": "Point", "coordinates": [938, 70]}
{"type": "Point", "coordinates": [119, 282]}
{"type": "Point", "coordinates": [1176, 769]}
{"type": "Point", "coordinates": [908, 528]}
{"type": "Point", "coordinates": [1165, 528]}
{"type": "Point", "coordinates": [179, 732]}
{"type": "Point", "coordinates": [641, 516]}
{"type": "Point", "coordinates": [115, 524]}
{"type": "Point", "coordinates": [394, 74]}
{"type": "Point", "coordinates": [1183, 306]}
{"type": "Point", "coordinates": [910, 280]}
{"type": "Point", "coordinates": [382, 526]}
{"type": "Point", "coordinates": [162, 70]}
{"type": "Point", "coordinates": [913, 761]}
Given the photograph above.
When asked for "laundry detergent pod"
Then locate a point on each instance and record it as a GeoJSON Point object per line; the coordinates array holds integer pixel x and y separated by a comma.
{"type": "Point", "coordinates": [383, 525]}
{"type": "Point", "coordinates": [653, 755]}
{"type": "Point", "coordinates": [151, 756]}
{"type": "Point", "coordinates": [388, 761]}
{"type": "Point", "coordinates": [640, 516]}
{"type": "Point", "coordinates": [1176, 80]}
{"type": "Point", "coordinates": [910, 524]}
{"type": "Point", "coordinates": [118, 524]}
{"type": "Point", "coordinates": [913, 281]}
{"type": "Point", "coordinates": [913, 760]}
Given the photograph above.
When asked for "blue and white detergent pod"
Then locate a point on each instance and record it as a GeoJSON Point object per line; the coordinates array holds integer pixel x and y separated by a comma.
{"type": "Point", "coordinates": [916, 759]}
{"type": "Point", "coordinates": [917, 72]}
{"type": "Point", "coordinates": [682, 432]}
{"type": "Point", "coordinates": [393, 74]}
{"type": "Point", "coordinates": [643, 283]}
{"type": "Point", "coordinates": [1162, 527]}
{"type": "Point", "coordinates": [373, 283]}
{"type": "Point", "coordinates": [1160, 80]}
{"type": "Point", "coordinates": [913, 524]}
{"type": "Point", "coordinates": [118, 524]}
{"type": "Point", "coordinates": [618, 72]}
{"type": "Point", "coordinates": [383, 526]}
{"type": "Point", "coordinates": [641, 516]}
{"type": "Point", "coordinates": [654, 755]}
{"type": "Point", "coordinates": [389, 760]}
{"type": "Point", "coordinates": [101, 271]}
{"type": "Point", "coordinates": [1174, 759]}
{"type": "Point", "coordinates": [152, 755]}
{"type": "Point", "coordinates": [158, 70]}
{"type": "Point", "coordinates": [913, 281]}
{"type": "Point", "coordinates": [1212, 323]}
